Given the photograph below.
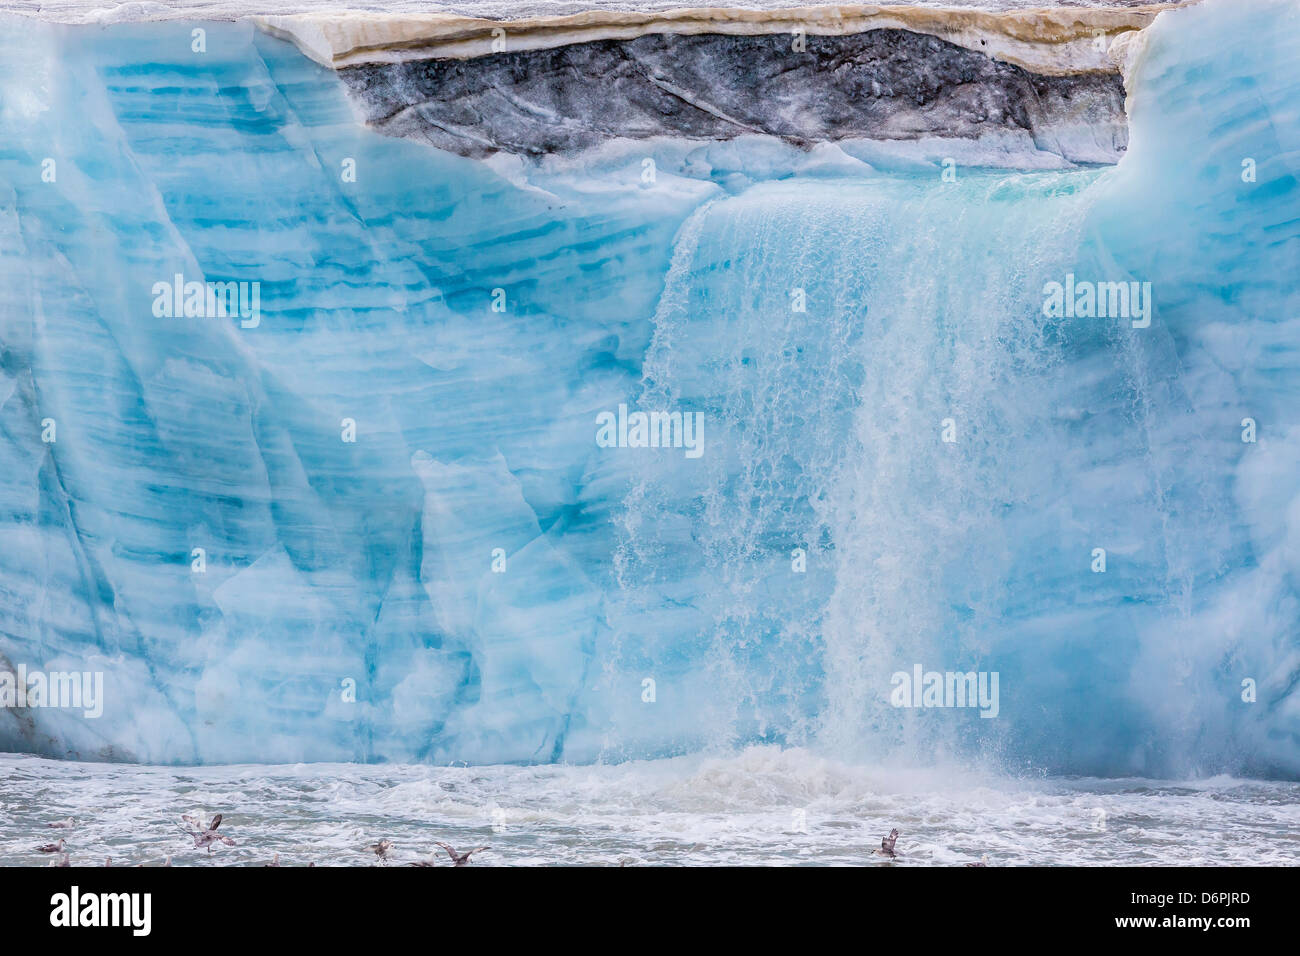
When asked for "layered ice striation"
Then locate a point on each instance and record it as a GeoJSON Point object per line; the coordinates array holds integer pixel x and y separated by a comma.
{"type": "Point", "coordinates": [476, 578]}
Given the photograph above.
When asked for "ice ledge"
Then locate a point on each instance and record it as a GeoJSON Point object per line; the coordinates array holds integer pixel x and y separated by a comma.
{"type": "Point", "coordinates": [1054, 41]}
{"type": "Point", "coordinates": [1060, 39]}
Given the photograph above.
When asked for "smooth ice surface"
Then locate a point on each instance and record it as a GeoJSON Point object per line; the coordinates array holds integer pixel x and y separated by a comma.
{"type": "Point", "coordinates": [372, 561]}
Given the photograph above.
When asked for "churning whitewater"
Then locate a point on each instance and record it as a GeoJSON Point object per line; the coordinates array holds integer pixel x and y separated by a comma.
{"type": "Point", "coordinates": [760, 806]}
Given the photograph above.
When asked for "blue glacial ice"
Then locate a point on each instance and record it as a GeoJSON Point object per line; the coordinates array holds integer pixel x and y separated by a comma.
{"type": "Point", "coordinates": [330, 564]}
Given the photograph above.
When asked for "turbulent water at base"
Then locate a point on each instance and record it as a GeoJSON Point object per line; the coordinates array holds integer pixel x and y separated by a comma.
{"type": "Point", "coordinates": [761, 806]}
{"type": "Point", "coordinates": [331, 563]}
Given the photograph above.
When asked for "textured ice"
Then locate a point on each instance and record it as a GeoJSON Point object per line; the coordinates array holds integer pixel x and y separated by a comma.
{"type": "Point", "coordinates": [372, 561]}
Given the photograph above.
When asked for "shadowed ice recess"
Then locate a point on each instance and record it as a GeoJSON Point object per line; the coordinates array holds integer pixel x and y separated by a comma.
{"type": "Point", "coordinates": [329, 562]}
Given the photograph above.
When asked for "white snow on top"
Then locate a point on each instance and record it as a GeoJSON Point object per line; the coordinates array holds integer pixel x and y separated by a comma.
{"type": "Point", "coordinates": [101, 11]}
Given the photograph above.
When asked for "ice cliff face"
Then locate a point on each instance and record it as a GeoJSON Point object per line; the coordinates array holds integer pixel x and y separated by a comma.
{"type": "Point", "coordinates": [372, 519]}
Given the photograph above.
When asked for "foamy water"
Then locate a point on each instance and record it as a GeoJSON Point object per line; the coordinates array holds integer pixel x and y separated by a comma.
{"type": "Point", "coordinates": [746, 809]}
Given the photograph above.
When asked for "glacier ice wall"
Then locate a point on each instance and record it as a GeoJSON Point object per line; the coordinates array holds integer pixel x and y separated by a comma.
{"type": "Point", "coordinates": [331, 563]}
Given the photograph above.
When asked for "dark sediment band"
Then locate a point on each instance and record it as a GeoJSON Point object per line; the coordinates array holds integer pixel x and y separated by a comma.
{"type": "Point", "coordinates": [882, 84]}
